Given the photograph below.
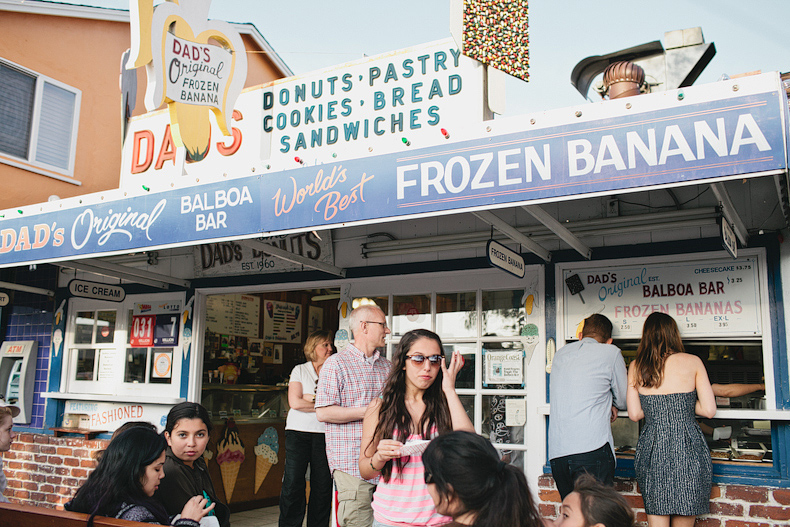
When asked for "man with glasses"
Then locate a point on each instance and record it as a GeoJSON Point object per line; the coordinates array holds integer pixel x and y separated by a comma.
{"type": "Point", "coordinates": [349, 380]}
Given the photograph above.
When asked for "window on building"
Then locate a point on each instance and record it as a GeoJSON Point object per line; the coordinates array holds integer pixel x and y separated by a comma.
{"type": "Point", "coordinates": [106, 356]}
{"type": "Point", "coordinates": [38, 121]}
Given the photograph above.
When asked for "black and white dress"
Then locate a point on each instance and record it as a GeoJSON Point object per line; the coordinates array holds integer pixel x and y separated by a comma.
{"type": "Point", "coordinates": [673, 465]}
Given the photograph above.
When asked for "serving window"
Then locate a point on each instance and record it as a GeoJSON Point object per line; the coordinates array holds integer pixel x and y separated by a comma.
{"type": "Point", "coordinates": [104, 354]}
{"type": "Point", "coordinates": [722, 310]}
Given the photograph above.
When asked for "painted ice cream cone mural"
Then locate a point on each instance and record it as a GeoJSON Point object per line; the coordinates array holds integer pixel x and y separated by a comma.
{"type": "Point", "coordinates": [265, 455]}
{"type": "Point", "coordinates": [193, 65]}
{"type": "Point", "coordinates": [230, 456]}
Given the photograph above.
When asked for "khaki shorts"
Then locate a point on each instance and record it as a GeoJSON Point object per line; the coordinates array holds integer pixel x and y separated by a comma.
{"type": "Point", "coordinates": [354, 497]}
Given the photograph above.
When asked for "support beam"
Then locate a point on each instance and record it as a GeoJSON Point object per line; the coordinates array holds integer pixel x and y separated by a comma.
{"type": "Point", "coordinates": [133, 271]}
{"type": "Point", "coordinates": [26, 289]}
{"type": "Point", "coordinates": [291, 257]}
{"type": "Point", "coordinates": [730, 213]}
{"type": "Point", "coordinates": [79, 266]}
{"type": "Point", "coordinates": [559, 229]}
{"type": "Point", "coordinates": [513, 233]}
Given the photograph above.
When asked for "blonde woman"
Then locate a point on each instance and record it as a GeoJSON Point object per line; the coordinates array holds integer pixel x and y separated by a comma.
{"type": "Point", "coordinates": [304, 442]}
{"type": "Point", "coordinates": [667, 387]}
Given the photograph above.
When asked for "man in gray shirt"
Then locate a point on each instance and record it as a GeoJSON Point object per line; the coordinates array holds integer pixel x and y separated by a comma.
{"type": "Point", "coordinates": [587, 385]}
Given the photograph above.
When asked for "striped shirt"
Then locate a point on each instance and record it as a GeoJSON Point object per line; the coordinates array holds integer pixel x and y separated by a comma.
{"type": "Point", "coordinates": [404, 499]}
{"type": "Point", "coordinates": [350, 380]}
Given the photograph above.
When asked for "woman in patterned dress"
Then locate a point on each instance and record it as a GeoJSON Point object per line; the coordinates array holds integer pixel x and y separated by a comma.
{"type": "Point", "coordinates": [667, 387]}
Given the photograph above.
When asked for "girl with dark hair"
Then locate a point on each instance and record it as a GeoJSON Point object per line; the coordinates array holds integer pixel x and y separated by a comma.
{"type": "Point", "coordinates": [593, 504]}
{"type": "Point", "coordinates": [305, 444]}
{"type": "Point", "coordinates": [418, 402]}
{"type": "Point", "coordinates": [187, 431]}
{"type": "Point", "coordinates": [125, 479]}
{"type": "Point", "coordinates": [667, 387]}
{"type": "Point", "coordinates": [467, 480]}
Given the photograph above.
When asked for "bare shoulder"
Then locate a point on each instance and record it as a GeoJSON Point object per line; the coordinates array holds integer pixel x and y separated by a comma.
{"type": "Point", "coordinates": [686, 361]}
{"type": "Point", "coordinates": [374, 406]}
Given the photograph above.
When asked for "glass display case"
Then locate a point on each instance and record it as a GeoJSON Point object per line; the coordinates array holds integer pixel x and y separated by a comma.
{"type": "Point", "coordinates": [246, 403]}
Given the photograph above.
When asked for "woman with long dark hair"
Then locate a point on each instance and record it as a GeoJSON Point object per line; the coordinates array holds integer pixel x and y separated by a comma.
{"type": "Point", "coordinates": [467, 481]}
{"type": "Point", "coordinates": [667, 387]}
{"type": "Point", "coordinates": [125, 479]}
{"type": "Point", "coordinates": [187, 431]}
{"type": "Point", "coordinates": [418, 402]}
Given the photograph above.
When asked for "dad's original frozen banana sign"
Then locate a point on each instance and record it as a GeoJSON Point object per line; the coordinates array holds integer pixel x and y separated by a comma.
{"type": "Point", "coordinates": [193, 65]}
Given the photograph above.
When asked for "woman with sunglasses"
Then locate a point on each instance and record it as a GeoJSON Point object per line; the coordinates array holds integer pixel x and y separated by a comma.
{"type": "Point", "coordinates": [418, 402]}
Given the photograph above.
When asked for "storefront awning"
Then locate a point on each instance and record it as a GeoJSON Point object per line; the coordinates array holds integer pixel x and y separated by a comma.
{"type": "Point", "coordinates": [714, 132]}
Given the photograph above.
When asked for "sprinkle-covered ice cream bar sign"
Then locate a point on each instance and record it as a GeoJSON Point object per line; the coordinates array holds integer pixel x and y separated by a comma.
{"type": "Point", "coordinates": [496, 34]}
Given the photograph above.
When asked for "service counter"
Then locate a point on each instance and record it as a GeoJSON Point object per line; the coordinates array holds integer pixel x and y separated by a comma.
{"type": "Point", "coordinates": [258, 412]}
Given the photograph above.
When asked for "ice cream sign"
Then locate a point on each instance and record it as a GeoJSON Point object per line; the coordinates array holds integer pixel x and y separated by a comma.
{"type": "Point", "coordinates": [706, 298]}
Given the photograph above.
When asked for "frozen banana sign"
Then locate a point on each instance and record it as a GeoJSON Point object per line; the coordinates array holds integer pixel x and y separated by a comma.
{"type": "Point", "coordinates": [193, 65]}
{"type": "Point", "coordinates": [196, 73]}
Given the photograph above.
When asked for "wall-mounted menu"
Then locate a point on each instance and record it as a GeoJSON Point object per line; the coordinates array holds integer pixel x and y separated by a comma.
{"type": "Point", "coordinates": [707, 298]}
{"type": "Point", "coordinates": [282, 322]}
{"type": "Point", "coordinates": [234, 315]}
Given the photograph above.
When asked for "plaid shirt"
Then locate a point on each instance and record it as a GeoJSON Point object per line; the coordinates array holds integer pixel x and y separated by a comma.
{"type": "Point", "coordinates": [347, 379]}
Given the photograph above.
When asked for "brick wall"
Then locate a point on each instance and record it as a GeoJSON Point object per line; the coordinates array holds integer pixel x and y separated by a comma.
{"type": "Point", "coordinates": [730, 506]}
{"type": "Point", "coordinates": [46, 471]}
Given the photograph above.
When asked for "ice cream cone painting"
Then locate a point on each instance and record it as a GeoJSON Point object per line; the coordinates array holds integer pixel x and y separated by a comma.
{"type": "Point", "coordinates": [265, 455]}
{"type": "Point", "coordinates": [230, 456]}
{"type": "Point", "coordinates": [193, 64]}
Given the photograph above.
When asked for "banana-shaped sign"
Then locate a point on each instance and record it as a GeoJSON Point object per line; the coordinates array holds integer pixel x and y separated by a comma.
{"type": "Point", "coordinates": [193, 64]}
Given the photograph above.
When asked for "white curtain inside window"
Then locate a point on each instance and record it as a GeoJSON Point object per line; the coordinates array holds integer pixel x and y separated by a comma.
{"type": "Point", "coordinates": [54, 130]}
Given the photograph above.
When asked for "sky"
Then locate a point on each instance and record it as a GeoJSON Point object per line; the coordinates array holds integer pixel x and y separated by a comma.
{"type": "Point", "coordinates": [314, 34]}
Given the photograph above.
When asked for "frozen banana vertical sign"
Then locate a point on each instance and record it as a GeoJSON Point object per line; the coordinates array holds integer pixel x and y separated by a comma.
{"type": "Point", "coordinates": [194, 65]}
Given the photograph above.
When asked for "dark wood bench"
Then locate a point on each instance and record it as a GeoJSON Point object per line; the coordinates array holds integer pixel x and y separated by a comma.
{"type": "Point", "coordinates": [13, 514]}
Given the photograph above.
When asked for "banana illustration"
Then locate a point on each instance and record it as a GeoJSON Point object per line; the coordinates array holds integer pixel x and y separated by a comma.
{"type": "Point", "coordinates": [59, 313]}
{"type": "Point", "coordinates": [157, 37]}
{"type": "Point", "coordinates": [345, 301]}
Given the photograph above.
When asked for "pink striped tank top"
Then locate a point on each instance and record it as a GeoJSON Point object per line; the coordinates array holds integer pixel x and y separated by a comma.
{"type": "Point", "coordinates": [404, 499]}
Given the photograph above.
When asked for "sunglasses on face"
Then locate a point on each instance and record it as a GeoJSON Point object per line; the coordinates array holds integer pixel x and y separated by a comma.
{"type": "Point", "coordinates": [418, 359]}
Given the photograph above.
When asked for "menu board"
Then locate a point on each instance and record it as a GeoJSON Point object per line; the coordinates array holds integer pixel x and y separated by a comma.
{"type": "Point", "coordinates": [282, 322]}
{"type": "Point", "coordinates": [707, 298]}
{"type": "Point", "coordinates": [233, 315]}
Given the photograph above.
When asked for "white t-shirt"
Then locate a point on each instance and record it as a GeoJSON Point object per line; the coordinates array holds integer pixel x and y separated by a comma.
{"type": "Point", "coordinates": [298, 420]}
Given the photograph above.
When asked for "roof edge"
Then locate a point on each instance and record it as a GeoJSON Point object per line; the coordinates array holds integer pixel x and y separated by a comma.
{"type": "Point", "coordinates": [44, 7]}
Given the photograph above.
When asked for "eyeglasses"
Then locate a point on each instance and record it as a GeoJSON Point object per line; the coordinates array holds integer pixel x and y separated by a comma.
{"type": "Point", "coordinates": [419, 359]}
{"type": "Point", "coordinates": [428, 478]}
{"type": "Point", "coordinates": [382, 324]}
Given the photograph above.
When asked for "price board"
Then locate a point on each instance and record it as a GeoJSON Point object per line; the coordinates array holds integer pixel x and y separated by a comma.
{"type": "Point", "coordinates": [707, 298]}
{"type": "Point", "coordinates": [142, 331]}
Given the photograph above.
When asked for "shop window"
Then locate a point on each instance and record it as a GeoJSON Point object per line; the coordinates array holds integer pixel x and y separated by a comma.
{"type": "Point", "coordinates": [410, 312]}
{"type": "Point", "coordinates": [38, 121]}
{"type": "Point", "coordinates": [503, 314]}
{"type": "Point", "coordinates": [86, 364]}
{"type": "Point", "coordinates": [135, 365]}
{"type": "Point", "coordinates": [456, 314]}
{"type": "Point", "coordinates": [104, 359]}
